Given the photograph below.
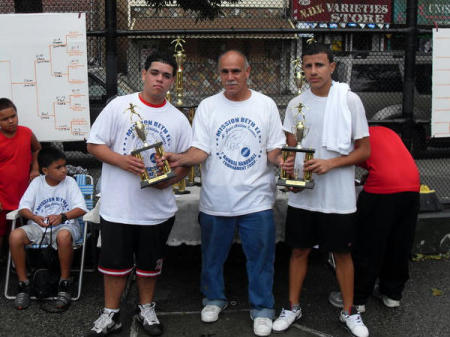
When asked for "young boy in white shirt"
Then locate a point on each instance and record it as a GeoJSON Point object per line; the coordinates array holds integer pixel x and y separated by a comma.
{"type": "Point", "coordinates": [51, 200]}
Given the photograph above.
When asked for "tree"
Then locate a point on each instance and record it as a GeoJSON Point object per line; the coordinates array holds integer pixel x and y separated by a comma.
{"type": "Point", "coordinates": [205, 9]}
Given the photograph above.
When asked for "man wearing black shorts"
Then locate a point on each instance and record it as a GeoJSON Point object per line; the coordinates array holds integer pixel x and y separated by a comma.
{"type": "Point", "coordinates": [325, 215]}
{"type": "Point", "coordinates": [135, 222]}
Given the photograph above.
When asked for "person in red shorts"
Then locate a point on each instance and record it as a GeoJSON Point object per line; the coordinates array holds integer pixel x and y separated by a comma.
{"type": "Point", "coordinates": [386, 221]}
{"type": "Point", "coordinates": [19, 148]}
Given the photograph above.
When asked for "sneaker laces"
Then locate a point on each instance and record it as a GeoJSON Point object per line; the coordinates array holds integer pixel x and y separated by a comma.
{"type": "Point", "coordinates": [283, 313]}
{"type": "Point", "coordinates": [148, 313]}
{"type": "Point", "coordinates": [288, 314]}
{"type": "Point", "coordinates": [355, 319]}
{"type": "Point", "coordinates": [103, 321]}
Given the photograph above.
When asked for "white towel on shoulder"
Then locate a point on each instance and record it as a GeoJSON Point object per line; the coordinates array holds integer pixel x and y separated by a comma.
{"type": "Point", "coordinates": [337, 121]}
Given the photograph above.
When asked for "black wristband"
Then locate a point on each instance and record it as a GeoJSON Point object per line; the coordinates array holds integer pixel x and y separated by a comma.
{"type": "Point", "coordinates": [63, 217]}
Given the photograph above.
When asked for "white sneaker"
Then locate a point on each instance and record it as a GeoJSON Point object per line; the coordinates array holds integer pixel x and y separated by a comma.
{"type": "Point", "coordinates": [262, 326]}
{"type": "Point", "coordinates": [389, 302]}
{"type": "Point", "coordinates": [210, 313]}
{"type": "Point", "coordinates": [146, 316]}
{"type": "Point", "coordinates": [107, 323]}
{"type": "Point", "coordinates": [335, 299]}
{"type": "Point", "coordinates": [287, 317]}
{"type": "Point", "coordinates": [354, 323]}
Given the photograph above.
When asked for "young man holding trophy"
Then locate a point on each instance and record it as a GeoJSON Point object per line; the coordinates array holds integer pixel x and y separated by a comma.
{"type": "Point", "coordinates": [237, 138]}
{"type": "Point", "coordinates": [137, 207]}
{"type": "Point", "coordinates": [336, 128]}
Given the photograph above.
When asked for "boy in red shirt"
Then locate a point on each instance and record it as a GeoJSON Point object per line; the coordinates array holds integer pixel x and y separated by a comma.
{"type": "Point", "coordinates": [19, 148]}
{"type": "Point", "coordinates": [386, 221]}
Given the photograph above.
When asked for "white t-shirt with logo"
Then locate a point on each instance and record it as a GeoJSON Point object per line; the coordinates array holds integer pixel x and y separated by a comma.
{"type": "Point", "coordinates": [44, 200]}
{"type": "Point", "coordinates": [123, 200]}
{"type": "Point", "coordinates": [237, 177]}
{"type": "Point", "coordinates": [334, 191]}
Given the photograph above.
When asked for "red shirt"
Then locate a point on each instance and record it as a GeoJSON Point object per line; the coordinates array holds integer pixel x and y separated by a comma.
{"type": "Point", "coordinates": [391, 167]}
{"type": "Point", "coordinates": [15, 163]}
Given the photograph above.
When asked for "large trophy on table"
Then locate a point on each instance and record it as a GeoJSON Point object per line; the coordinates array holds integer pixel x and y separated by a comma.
{"type": "Point", "coordinates": [300, 130]}
{"type": "Point", "coordinates": [180, 58]}
{"type": "Point", "coordinates": [144, 154]}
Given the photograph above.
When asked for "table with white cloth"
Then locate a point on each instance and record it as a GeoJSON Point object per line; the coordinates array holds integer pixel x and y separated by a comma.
{"type": "Point", "coordinates": [186, 229]}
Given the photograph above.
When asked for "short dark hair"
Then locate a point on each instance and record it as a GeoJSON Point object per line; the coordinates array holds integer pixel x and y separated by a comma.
{"type": "Point", "coordinates": [49, 155]}
{"type": "Point", "coordinates": [158, 56]}
{"type": "Point", "coordinates": [6, 103]}
{"type": "Point", "coordinates": [318, 48]}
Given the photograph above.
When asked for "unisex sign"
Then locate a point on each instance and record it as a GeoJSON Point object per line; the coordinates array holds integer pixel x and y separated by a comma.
{"type": "Point", "coordinates": [355, 11]}
{"type": "Point", "coordinates": [429, 12]}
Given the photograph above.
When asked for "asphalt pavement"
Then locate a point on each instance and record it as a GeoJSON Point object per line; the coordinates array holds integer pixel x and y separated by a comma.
{"type": "Point", "coordinates": [178, 299]}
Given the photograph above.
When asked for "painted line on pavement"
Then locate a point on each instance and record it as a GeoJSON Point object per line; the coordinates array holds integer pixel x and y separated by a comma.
{"type": "Point", "coordinates": [312, 331]}
{"type": "Point", "coordinates": [197, 312]}
{"type": "Point", "coordinates": [174, 313]}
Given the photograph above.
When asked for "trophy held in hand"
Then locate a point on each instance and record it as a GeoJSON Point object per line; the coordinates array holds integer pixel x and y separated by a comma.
{"type": "Point", "coordinates": [144, 152]}
{"type": "Point", "coordinates": [300, 131]}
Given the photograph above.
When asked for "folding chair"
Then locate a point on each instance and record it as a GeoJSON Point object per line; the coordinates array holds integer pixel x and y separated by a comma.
{"type": "Point", "coordinates": [86, 184]}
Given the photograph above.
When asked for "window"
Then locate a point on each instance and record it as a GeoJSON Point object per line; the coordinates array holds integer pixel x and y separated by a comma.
{"type": "Point", "coordinates": [362, 41]}
{"type": "Point", "coordinates": [376, 77]}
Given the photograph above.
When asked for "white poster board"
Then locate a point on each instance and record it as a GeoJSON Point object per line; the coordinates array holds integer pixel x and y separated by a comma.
{"type": "Point", "coordinates": [440, 104]}
{"type": "Point", "coordinates": [43, 70]}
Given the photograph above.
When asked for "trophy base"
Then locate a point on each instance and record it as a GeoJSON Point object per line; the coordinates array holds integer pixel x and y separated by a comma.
{"type": "Point", "coordinates": [295, 183]}
{"type": "Point", "coordinates": [297, 149]}
{"type": "Point", "coordinates": [156, 180]}
{"type": "Point", "coordinates": [178, 192]}
{"type": "Point", "coordinates": [196, 182]}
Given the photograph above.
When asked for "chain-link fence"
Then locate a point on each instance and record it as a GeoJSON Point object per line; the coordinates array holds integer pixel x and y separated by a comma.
{"type": "Point", "coordinates": [374, 44]}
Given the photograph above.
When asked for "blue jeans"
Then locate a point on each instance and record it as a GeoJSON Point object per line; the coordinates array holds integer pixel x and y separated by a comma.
{"type": "Point", "coordinates": [257, 233]}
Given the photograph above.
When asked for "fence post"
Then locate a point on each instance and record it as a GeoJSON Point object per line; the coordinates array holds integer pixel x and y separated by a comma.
{"type": "Point", "coordinates": [409, 77]}
{"type": "Point", "coordinates": [111, 47]}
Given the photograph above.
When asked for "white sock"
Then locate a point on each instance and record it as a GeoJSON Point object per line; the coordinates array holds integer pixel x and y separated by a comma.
{"type": "Point", "coordinates": [142, 306]}
{"type": "Point", "coordinates": [108, 311]}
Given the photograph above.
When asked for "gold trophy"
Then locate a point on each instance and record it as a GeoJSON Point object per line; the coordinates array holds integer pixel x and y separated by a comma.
{"type": "Point", "coordinates": [180, 57]}
{"type": "Point", "coordinates": [139, 129]}
{"type": "Point", "coordinates": [299, 77]}
{"type": "Point", "coordinates": [191, 175]}
{"type": "Point", "coordinates": [300, 131]}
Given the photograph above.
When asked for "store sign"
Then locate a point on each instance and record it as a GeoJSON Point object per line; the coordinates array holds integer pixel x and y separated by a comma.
{"type": "Point", "coordinates": [429, 12]}
{"type": "Point", "coordinates": [345, 11]}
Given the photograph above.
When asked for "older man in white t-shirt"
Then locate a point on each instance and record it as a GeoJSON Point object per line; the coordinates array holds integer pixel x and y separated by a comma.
{"type": "Point", "coordinates": [237, 137]}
